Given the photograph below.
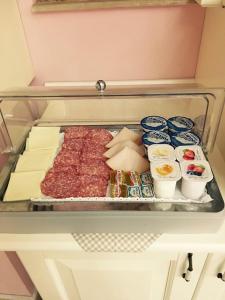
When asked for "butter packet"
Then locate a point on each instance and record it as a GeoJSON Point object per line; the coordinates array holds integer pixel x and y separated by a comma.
{"type": "Point", "coordinates": [146, 178]}
{"type": "Point", "coordinates": [118, 190]}
{"type": "Point", "coordinates": [134, 191]}
{"type": "Point", "coordinates": [147, 191]}
{"type": "Point", "coordinates": [128, 178]}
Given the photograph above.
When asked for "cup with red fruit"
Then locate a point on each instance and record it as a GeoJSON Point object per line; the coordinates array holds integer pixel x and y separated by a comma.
{"type": "Point", "coordinates": [189, 153]}
{"type": "Point", "coordinates": [195, 176]}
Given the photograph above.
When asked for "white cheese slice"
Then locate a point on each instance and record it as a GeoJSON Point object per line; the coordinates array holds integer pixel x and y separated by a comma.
{"type": "Point", "coordinates": [124, 135]}
{"type": "Point", "coordinates": [119, 146]}
{"type": "Point", "coordinates": [52, 151]}
{"type": "Point", "coordinates": [24, 186]}
{"type": "Point", "coordinates": [43, 141]}
{"type": "Point", "coordinates": [35, 161]}
{"type": "Point", "coordinates": [38, 130]}
{"type": "Point", "coordinates": [128, 160]}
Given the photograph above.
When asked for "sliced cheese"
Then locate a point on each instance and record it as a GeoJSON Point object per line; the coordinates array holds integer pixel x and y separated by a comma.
{"type": "Point", "coordinates": [46, 151]}
{"type": "Point", "coordinates": [38, 130]}
{"type": "Point", "coordinates": [124, 135]}
{"type": "Point", "coordinates": [43, 141]}
{"type": "Point", "coordinates": [119, 146]}
{"type": "Point", "coordinates": [24, 186]}
{"type": "Point", "coordinates": [128, 160]}
{"type": "Point", "coordinates": [35, 161]}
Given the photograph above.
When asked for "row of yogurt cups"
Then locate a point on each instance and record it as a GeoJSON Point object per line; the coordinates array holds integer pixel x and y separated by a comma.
{"type": "Point", "coordinates": [175, 131]}
{"type": "Point", "coordinates": [192, 167]}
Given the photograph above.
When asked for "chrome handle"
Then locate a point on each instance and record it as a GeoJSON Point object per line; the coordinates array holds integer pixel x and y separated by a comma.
{"type": "Point", "coordinates": [188, 272]}
{"type": "Point", "coordinates": [100, 85]}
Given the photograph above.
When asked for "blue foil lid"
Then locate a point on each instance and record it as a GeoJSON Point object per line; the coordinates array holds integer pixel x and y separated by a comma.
{"type": "Point", "coordinates": [156, 137]}
{"type": "Point", "coordinates": [184, 139]}
{"type": "Point", "coordinates": [180, 124]}
{"type": "Point", "coordinates": [154, 123]}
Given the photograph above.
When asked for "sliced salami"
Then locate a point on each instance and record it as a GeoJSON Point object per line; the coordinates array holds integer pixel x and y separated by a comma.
{"type": "Point", "coordinates": [99, 135]}
{"type": "Point", "coordinates": [94, 167]}
{"type": "Point", "coordinates": [92, 186]}
{"type": "Point", "coordinates": [76, 132]}
{"type": "Point", "coordinates": [60, 185]}
{"type": "Point", "coordinates": [72, 170]}
{"type": "Point", "coordinates": [93, 150]}
{"type": "Point", "coordinates": [67, 158]}
{"type": "Point", "coordinates": [73, 144]}
{"type": "Point", "coordinates": [92, 190]}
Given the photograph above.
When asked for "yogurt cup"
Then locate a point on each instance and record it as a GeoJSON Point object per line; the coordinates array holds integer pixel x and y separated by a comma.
{"type": "Point", "coordinates": [154, 123]}
{"type": "Point", "coordinates": [161, 152]}
{"type": "Point", "coordinates": [180, 124]}
{"type": "Point", "coordinates": [195, 175]}
{"type": "Point", "coordinates": [189, 153]}
{"type": "Point", "coordinates": [185, 139]}
{"type": "Point", "coordinates": [155, 137]}
{"type": "Point", "coordinates": [165, 176]}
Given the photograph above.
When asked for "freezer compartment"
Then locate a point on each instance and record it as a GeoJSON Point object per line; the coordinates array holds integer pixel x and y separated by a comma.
{"type": "Point", "coordinates": [23, 109]}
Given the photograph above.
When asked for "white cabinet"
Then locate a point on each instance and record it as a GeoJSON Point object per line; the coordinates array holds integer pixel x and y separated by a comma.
{"type": "Point", "coordinates": [79, 275]}
{"type": "Point", "coordinates": [182, 289]}
{"type": "Point", "coordinates": [210, 286]}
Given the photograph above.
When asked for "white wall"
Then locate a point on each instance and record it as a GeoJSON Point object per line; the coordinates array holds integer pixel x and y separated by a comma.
{"type": "Point", "coordinates": [211, 65]}
{"type": "Point", "coordinates": [15, 63]}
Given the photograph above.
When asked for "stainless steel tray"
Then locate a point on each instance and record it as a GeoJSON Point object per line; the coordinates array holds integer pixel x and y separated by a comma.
{"type": "Point", "coordinates": [129, 106]}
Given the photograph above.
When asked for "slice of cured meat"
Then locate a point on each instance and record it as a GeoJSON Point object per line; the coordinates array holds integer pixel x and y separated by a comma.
{"type": "Point", "coordinates": [67, 158]}
{"type": "Point", "coordinates": [91, 145]}
{"type": "Point", "coordinates": [99, 135]}
{"type": "Point", "coordinates": [92, 186]}
{"type": "Point", "coordinates": [93, 150]}
{"type": "Point", "coordinates": [94, 167]}
{"type": "Point", "coordinates": [65, 185]}
{"type": "Point", "coordinates": [60, 185]}
{"type": "Point", "coordinates": [92, 190]}
{"type": "Point", "coordinates": [71, 170]}
{"type": "Point", "coordinates": [73, 144]}
{"type": "Point", "coordinates": [76, 132]}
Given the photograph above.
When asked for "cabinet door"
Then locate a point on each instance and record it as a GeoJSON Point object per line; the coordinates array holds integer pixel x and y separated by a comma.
{"type": "Point", "coordinates": [98, 276]}
{"type": "Point", "coordinates": [210, 286]}
{"type": "Point", "coordinates": [182, 289]}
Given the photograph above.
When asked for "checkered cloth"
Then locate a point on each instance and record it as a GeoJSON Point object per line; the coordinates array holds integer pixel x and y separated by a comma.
{"type": "Point", "coordinates": [115, 242]}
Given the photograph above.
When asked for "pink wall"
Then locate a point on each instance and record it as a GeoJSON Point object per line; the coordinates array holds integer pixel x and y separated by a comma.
{"type": "Point", "coordinates": [145, 43]}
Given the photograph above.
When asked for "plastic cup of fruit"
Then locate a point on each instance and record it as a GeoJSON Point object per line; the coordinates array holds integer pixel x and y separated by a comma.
{"type": "Point", "coordinates": [195, 175]}
{"type": "Point", "coordinates": [189, 153]}
{"type": "Point", "coordinates": [161, 152]}
{"type": "Point", "coordinates": [165, 175]}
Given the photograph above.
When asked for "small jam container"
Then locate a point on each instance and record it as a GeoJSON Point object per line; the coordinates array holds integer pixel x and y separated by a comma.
{"type": "Point", "coordinates": [180, 124]}
{"type": "Point", "coordinates": [195, 176]}
{"type": "Point", "coordinates": [154, 123]}
{"type": "Point", "coordinates": [165, 176]}
{"type": "Point", "coordinates": [185, 139]}
{"type": "Point", "coordinates": [189, 153]}
{"type": "Point", "coordinates": [155, 137]}
{"type": "Point", "coordinates": [161, 152]}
